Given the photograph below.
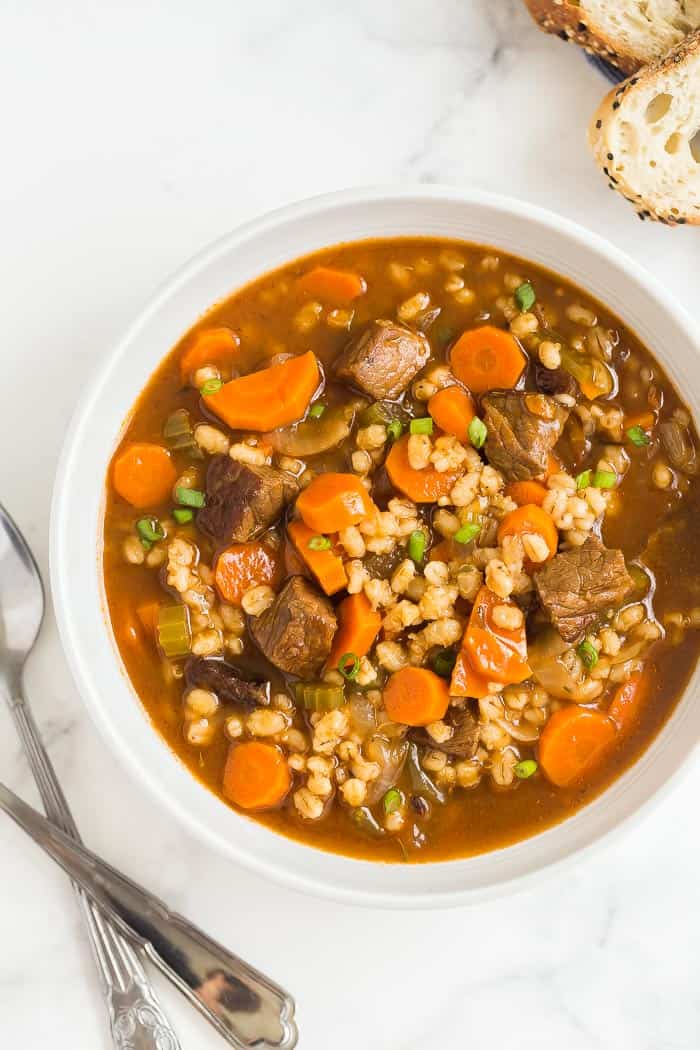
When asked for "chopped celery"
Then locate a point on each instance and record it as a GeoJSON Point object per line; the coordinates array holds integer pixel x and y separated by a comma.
{"type": "Point", "coordinates": [363, 820]}
{"type": "Point", "coordinates": [593, 376]}
{"type": "Point", "coordinates": [377, 412]}
{"type": "Point", "coordinates": [173, 630]}
{"type": "Point", "coordinates": [319, 696]}
{"type": "Point", "coordinates": [177, 431]}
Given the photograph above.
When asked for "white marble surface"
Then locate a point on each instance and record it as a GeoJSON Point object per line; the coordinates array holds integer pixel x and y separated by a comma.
{"type": "Point", "coordinates": [132, 134]}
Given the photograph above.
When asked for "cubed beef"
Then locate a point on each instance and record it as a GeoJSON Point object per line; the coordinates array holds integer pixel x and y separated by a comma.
{"type": "Point", "coordinates": [522, 430]}
{"type": "Point", "coordinates": [577, 587]}
{"type": "Point", "coordinates": [384, 360]}
{"type": "Point", "coordinates": [465, 734]}
{"type": "Point", "coordinates": [296, 632]}
{"type": "Point", "coordinates": [555, 381]}
{"type": "Point", "coordinates": [242, 500]}
{"type": "Point", "coordinates": [221, 678]}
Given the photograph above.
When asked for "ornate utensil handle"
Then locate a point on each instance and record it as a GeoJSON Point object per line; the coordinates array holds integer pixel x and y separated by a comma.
{"type": "Point", "coordinates": [136, 1018]}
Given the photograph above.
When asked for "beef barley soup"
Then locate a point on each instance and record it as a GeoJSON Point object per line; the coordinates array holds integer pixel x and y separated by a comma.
{"type": "Point", "coordinates": [400, 549]}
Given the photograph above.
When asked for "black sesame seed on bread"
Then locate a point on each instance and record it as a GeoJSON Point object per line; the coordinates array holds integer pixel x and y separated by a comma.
{"type": "Point", "coordinates": [645, 137]}
{"type": "Point", "coordinates": [626, 33]}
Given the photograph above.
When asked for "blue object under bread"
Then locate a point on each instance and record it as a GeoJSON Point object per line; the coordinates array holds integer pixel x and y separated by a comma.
{"type": "Point", "coordinates": [610, 72]}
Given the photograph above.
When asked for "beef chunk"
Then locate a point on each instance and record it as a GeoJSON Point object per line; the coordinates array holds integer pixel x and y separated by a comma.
{"type": "Point", "coordinates": [576, 587]}
{"type": "Point", "coordinates": [522, 430]}
{"type": "Point", "coordinates": [555, 381]}
{"type": "Point", "coordinates": [384, 360]}
{"type": "Point", "coordinates": [296, 632]}
{"type": "Point", "coordinates": [465, 737]}
{"type": "Point", "coordinates": [242, 501]}
{"type": "Point", "coordinates": [224, 680]}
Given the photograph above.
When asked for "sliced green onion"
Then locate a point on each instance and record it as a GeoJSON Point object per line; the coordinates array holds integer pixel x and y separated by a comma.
{"type": "Point", "coordinates": [319, 543]}
{"type": "Point", "coordinates": [477, 432]}
{"type": "Point", "coordinates": [416, 546]}
{"type": "Point", "coordinates": [583, 480]}
{"type": "Point", "coordinates": [392, 800]}
{"type": "Point", "coordinates": [182, 515]}
{"type": "Point", "coordinates": [422, 426]}
{"type": "Point", "coordinates": [444, 661]}
{"type": "Point", "coordinates": [604, 479]}
{"type": "Point", "coordinates": [525, 769]}
{"type": "Point", "coordinates": [395, 429]}
{"type": "Point", "coordinates": [524, 296]}
{"type": "Point", "coordinates": [467, 533]}
{"type": "Point", "coordinates": [351, 671]}
{"type": "Point", "coordinates": [173, 630]}
{"type": "Point", "coordinates": [319, 696]}
{"type": "Point", "coordinates": [317, 410]}
{"type": "Point", "coordinates": [211, 386]}
{"type": "Point", "coordinates": [189, 497]}
{"type": "Point", "coordinates": [638, 437]}
{"type": "Point", "coordinates": [150, 529]}
{"type": "Point", "coordinates": [177, 431]}
{"type": "Point", "coordinates": [588, 654]}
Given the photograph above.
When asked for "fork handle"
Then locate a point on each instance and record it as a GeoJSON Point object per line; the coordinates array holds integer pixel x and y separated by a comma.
{"type": "Point", "coordinates": [136, 1019]}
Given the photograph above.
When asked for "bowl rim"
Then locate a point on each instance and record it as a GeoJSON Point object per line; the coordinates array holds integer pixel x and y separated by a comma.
{"type": "Point", "coordinates": [68, 612]}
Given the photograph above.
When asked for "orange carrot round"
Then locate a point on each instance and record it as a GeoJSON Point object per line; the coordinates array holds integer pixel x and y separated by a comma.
{"type": "Point", "coordinates": [270, 398]}
{"type": "Point", "coordinates": [144, 474]}
{"type": "Point", "coordinates": [333, 286]}
{"type": "Point", "coordinates": [332, 502]}
{"type": "Point", "coordinates": [524, 492]}
{"type": "Point", "coordinates": [465, 680]}
{"type": "Point", "coordinates": [245, 565]}
{"type": "Point", "coordinates": [627, 703]}
{"type": "Point", "coordinates": [422, 486]}
{"type": "Point", "coordinates": [527, 520]}
{"type": "Point", "coordinates": [211, 346]}
{"type": "Point", "coordinates": [573, 743]}
{"type": "Point", "coordinates": [487, 358]}
{"type": "Point", "coordinates": [453, 410]}
{"type": "Point", "coordinates": [326, 565]}
{"type": "Point", "coordinates": [256, 776]}
{"type": "Point", "coordinates": [416, 696]}
{"type": "Point", "coordinates": [358, 626]}
{"type": "Point", "coordinates": [495, 653]}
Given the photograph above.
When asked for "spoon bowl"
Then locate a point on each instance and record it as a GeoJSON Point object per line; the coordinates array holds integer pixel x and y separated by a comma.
{"type": "Point", "coordinates": [22, 599]}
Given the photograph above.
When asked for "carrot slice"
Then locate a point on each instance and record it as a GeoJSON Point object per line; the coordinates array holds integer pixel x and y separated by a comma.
{"type": "Point", "coordinates": [530, 519]}
{"type": "Point", "coordinates": [148, 616]}
{"type": "Point", "coordinates": [573, 743]}
{"type": "Point", "coordinates": [422, 486]}
{"type": "Point", "coordinates": [465, 681]}
{"type": "Point", "coordinates": [358, 626]}
{"type": "Point", "coordinates": [333, 286]}
{"type": "Point", "coordinates": [453, 410]}
{"type": "Point", "coordinates": [211, 346]}
{"type": "Point", "coordinates": [326, 565]}
{"type": "Point", "coordinates": [416, 696]}
{"type": "Point", "coordinates": [144, 474]}
{"type": "Point", "coordinates": [245, 565]}
{"type": "Point", "coordinates": [256, 776]}
{"type": "Point", "coordinates": [487, 358]}
{"type": "Point", "coordinates": [554, 465]}
{"type": "Point", "coordinates": [524, 492]}
{"type": "Point", "coordinates": [626, 706]}
{"type": "Point", "coordinates": [645, 420]}
{"type": "Point", "coordinates": [332, 502]}
{"type": "Point", "coordinates": [495, 653]}
{"type": "Point", "coordinates": [270, 398]}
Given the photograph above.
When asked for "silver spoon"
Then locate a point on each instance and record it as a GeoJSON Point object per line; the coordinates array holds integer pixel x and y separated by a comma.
{"type": "Point", "coordinates": [245, 1007]}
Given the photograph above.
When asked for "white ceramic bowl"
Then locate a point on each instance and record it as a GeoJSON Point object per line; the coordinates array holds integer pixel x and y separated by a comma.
{"type": "Point", "coordinates": [78, 595]}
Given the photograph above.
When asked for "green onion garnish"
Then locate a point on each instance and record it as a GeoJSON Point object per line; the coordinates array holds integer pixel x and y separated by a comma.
{"type": "Point", "coordinates": [150, 530]}
{"type": "Point", "coordinates": [524, 296]}
{"type": "Point", "coordinates": [319, 543]}
{"type": "Point", "coordinates": [588, 654]}
{"type": "Point", "coordinates": [317, 410]}
{"type": "Point", "coordinates": [395, 429]}
{"type": "Point", "coordinates": [444, 662]}
{"type": "Point", "coordinates": [525, 769]}
{"type": "Point", "coordinates": [477, 432]}
{"type": "Point", "coordinates": [638, 437]}
{"type": "Point", "coordinates": [416, 546]}
{"type": "Point", "coordinates": [182, 515]}
{"type": "Point", "coordinates": [189, 497]}
{"type": "Point", "coordinates": [349, 665]}
{"type": "Point", "coordinates": [211, 386]}
{"type": "Point", "coordinates": [392, 800]}
{"type": "Point", "coordinates": [422, 426]}
{"type": "Point", "coordinates": [604, 479]}
{"type": "Point", "coordinates": [467, 533]}
{"type": "Point", "coordinates": [583, 480]}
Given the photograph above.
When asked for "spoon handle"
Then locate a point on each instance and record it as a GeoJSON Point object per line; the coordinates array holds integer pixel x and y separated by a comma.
{"type": "Point", "coordinates": [136, 1019]}
{"type": "Point", "coordinates": [245, 1006]}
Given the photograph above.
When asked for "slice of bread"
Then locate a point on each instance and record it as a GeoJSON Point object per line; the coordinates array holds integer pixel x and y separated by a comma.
{"type": "Point", "coordinates": [626, 33]}
{"type": "Point", "coordinates": [646, 137]}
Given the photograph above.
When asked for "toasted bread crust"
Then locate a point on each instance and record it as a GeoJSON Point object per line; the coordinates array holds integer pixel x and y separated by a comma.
{"type": "Point", "coordinates": [572, 23]}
